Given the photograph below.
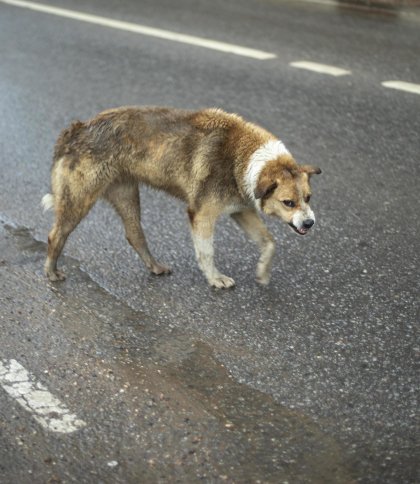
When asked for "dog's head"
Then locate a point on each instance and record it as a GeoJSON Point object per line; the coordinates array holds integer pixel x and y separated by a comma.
{"type": "Point", "coordinates": [284, 191]}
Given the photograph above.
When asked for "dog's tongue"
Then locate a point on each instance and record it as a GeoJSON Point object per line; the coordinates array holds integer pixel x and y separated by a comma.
{"type": "Point", "coordinates": [302, 230]}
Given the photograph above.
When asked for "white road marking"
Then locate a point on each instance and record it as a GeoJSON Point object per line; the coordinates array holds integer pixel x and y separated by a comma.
{"type": "Point", "coordinates": [34, 397]}
{"type": "Point", "coordinates": [403, 86]}
{"type": "Point", "coordinates": [321, 68]}
{"type": "Point", "coordinates": [330, 3]}
{"type": "Point", "coordinates": [143, 30]}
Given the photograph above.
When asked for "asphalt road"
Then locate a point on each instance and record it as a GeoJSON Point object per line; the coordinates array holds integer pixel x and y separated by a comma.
{"type": "Point", "coordinates": [311, 379]}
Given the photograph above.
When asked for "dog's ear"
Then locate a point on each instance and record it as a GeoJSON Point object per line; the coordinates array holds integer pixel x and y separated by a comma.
{"type": "Point", "coordinates": [264, 188]}
{"type": "Point", "coordinates": [310, 170]}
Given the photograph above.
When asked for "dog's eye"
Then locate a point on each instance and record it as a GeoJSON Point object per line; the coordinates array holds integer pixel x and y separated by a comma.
{"type": "Point", "coordinates": [289, 203]}
{"type": "Point", "coordinates": [307, 198]}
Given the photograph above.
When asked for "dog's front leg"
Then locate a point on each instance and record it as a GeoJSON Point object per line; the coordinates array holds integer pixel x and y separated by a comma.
{"type": "Point", "coordinates": [252, 224]}
{"type": "Point", "coordinates": [202, 230]}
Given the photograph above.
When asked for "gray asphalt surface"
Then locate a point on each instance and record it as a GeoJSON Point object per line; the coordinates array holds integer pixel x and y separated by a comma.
{"type": "Point", "coordinates": [311, 379]}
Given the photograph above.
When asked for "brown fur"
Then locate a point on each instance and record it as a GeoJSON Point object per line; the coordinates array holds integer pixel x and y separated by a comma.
{"type": "Point", "coordinates": [199, 157]}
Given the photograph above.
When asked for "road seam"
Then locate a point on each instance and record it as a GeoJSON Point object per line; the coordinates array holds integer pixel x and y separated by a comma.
{"type": "Point", "coordinates": [35, 398]}
{"type": "Point", "coordinates": [144, 30]}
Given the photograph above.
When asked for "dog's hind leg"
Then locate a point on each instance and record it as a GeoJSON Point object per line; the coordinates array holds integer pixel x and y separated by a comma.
{"type": "Point", "coordinates": [69, 211]}
{"type": "Point", "coordinates": [255, 228]}
{"type": "Point", "coordinates": [124, 197]}
{"type": "Point", "coordinates": [202, 229]}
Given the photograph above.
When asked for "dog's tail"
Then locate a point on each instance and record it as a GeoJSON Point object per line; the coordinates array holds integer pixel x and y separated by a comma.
{"type": "Point", "coordinates": [47, 202]}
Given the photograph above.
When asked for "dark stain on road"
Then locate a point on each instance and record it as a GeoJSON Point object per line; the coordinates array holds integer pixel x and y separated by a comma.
{"type": "Point", "coordinates": [158, 404]}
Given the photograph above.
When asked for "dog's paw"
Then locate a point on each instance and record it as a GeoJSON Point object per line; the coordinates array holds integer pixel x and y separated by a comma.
{"type": "Point", "coordinates": [160, 269]}
{"type": "Point", "coordinates": [222, 282]}
{"type": "Point", "coordinates": [263, 274]}
{"type": "Point", "coordinates": [263, 277]}
{"type": "Point", "coordinates": [55, 276]}
{"type": "Point", "coordinates": [263, 280]}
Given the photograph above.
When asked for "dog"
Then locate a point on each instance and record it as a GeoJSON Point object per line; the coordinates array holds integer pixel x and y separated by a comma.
{"type": "Point", "coordinates": [216, 162]}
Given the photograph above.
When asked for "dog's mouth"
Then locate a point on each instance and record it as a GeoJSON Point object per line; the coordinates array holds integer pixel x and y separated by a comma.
{"type": "Point", "coordinates": [300, 231]}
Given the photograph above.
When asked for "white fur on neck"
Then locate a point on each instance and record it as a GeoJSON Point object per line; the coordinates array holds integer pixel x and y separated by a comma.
{"type": "Point", "coordinates": [268, 151]}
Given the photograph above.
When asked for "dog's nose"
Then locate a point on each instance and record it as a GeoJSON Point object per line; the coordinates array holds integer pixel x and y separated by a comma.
{"type": "Point", "coordinates": [308, 223]}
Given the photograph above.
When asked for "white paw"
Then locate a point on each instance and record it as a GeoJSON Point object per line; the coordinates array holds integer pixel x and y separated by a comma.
{"type": "Point", "coordinates": [55, 276]}
{"type": "Point", "coordinates": [263, 280]}
{"type": "Point", "coordinates": [263, 276]}
{"type": "Point", "coordinates": [159, 269]}
{"type": "Point", "coordinates": [222, 282]}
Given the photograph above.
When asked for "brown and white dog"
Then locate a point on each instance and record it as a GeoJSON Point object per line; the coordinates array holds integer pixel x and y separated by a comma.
{"type": "Point", "coordinates": [214, 161]}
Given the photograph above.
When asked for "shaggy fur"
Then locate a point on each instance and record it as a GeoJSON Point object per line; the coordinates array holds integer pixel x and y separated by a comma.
{"type": "Point", "coordinates": [212, 160]}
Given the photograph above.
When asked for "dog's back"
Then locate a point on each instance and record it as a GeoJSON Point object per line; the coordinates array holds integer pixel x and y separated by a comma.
{"type": "Point", "coordinates": [172, 150]}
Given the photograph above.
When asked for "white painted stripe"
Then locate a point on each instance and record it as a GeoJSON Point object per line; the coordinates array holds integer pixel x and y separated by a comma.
{"type": "Point", "coordinates": [321, 68]}
{"type": "Point", "coordinates": [403, 86]}
{"type": "Point", "coordinates": [329, 3]}
{"type": "Point", "coordinates": [144, 30]}
{"type": "Point", "coordinates": [34, 397]}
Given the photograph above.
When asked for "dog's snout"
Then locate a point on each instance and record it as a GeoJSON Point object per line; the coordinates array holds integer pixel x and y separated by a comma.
{"type": "Point", "coordinates": [308, 223]}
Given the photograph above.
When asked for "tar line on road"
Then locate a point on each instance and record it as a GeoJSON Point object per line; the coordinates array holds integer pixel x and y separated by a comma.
{"type": "Point", "coordinates": [159, 405]}
{"type": "Point", "coordinates": [34, 397]}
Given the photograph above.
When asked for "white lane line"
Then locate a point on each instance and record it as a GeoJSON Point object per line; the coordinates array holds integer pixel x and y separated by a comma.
{"type": "Point", "coordinates": [321, 68]}
{"type": "Point", "coordinates": [144, 30]}
{"type": "Point", "coordinates": [34, 397]}
{"type": "Point", "coordinates": [403, 86]}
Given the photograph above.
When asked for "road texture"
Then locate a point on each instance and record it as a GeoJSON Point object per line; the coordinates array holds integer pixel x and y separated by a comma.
{"type": "Point", "coordinates": [311, 379]}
